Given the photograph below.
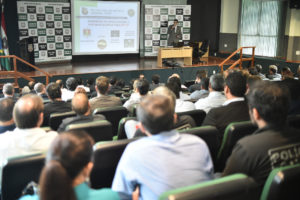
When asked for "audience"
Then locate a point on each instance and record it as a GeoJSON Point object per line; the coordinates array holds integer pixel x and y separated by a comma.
{"type": "Point", "coordinates": [203, 92]}
{"type": "Point", "coordinates": [175, 78]}
{"type": "Point", "coordinates": [80, 90]}
{"type": "Point", "coordinates": [68, 94]}
{"type": "Point", "coordinates": [102, 99]}
{"type": "Point", "coordinates": [113, 87]}
{"type": "Point", "coordinates": [172, 160]}
{"type": "Point", "coordinates": [286, 73]}
{"type": "Point", "coordinates": [80, 85]}
{"type": "Point", "coordinates": [258, 68]}
{"type": "Point", "coordinates": [40, 90]}
{"type": "Point", "coordinates": [273, 75]}
{"type": "Point", "coordinates": [199, 76]}
{"type": "Point", "coordinates": [81, 106]}
{"type": "Point", "coordinates": [6, 111]}
{"type": "Point", "coordinates": [9, 91]}
{"type": "Point", "coordinates": [25, 90]}
{"type": "Point", "coordinates": [294, 88]}
{"type": "Point", "coordinates": [234, 109]}
{"type": "Point", "coordinates": [216, 97]}
{"type": "Point", "coordinates": [68, 165]}
{"type": "Point", "coordinates": [56, 104]}
{"type": "Point", "coordinates": [155, 82]}
{"type": "Point", "coordinates": [274, 144]}
{"type": "Point", "coordinates": [31, 86]}
{"type": "Point", "coordinates": [90, 83]}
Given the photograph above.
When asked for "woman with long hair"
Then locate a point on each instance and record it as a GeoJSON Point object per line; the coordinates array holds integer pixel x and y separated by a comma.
{"type": "Point", "coordinates": [68, 166]}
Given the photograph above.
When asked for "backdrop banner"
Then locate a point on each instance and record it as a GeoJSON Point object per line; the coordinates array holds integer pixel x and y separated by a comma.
{"type": "Point", "coordinates": [157, 20]}
{"type": "Point", "coordinates": [49, 23]}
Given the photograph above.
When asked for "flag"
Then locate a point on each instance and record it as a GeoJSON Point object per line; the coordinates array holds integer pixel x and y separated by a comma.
{"type": "Point", "coordinates": [5, 64]}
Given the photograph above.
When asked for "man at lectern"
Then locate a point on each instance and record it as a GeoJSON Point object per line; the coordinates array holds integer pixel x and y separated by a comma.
{"type": "Point", "coordinates": [174, 33]}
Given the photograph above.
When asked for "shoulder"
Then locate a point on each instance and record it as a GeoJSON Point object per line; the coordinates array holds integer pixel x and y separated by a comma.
{"type": "Point", "coordinates": [104, 193]}
{"type": "Point", "coordinates": [30, 197]}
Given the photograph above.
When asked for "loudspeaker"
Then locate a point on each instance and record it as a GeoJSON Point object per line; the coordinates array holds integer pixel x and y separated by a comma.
{"type": "Point", "coordinates": [295, 4]}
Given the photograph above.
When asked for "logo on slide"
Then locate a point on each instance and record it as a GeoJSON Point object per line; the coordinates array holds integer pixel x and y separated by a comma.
{"type": "Point", "coordinates": [84, 11]}
{"type": "Point", "coordinates": [86, 32]}
{"type": "Point", "coordinates": [102, 44]}
{"type": "Point", "coordinates": [131, 12]}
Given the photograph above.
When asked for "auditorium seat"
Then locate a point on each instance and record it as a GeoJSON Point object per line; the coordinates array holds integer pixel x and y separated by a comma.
{"type": "Point", "coordinates": [18, 172]}
{"type": "Point", "coordinates": [197, 115]}
{"type": "Point", "coordinates": [113, 115]}
{"type": "Point", "coordinates": [121, 129]}
{"type": "Point", "coordinates": [210, 135]}
{"type": "Point", "coordinates": [56, 119]}
{"type": "Point", "coordinates": [99, 130]}
{"type": "Point", "coordinates": [233, 187]}
{"type": "Point", "coordinates": [233, 132]}
{"type": "Point", "coordinates": [294, 121]}
{"type": "Point", "coordinates": [282, 183]}
{"type": "Point", "coordinates": [106, 159]}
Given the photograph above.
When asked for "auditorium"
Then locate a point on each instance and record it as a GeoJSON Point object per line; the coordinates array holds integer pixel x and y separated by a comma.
{"type": "Point", "coordinates": [149, 99]}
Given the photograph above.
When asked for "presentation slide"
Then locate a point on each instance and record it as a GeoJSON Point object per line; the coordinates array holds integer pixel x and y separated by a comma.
{"type": "Point", "coordinates": [105, 27]}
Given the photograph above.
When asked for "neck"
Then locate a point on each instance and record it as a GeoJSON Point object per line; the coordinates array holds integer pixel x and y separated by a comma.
{"type": "Point", "coordinates": [57, 99]}
{"type": "Point", "coordinates": [261, 124]}
{"type": "Point", "coordinates": [7, 123]}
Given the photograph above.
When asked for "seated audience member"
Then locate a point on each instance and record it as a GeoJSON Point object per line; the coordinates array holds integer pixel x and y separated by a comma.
{"type": "Point", "coordinates": [80, 84]}
{"type": "Point", "coordinates": [256, 155]}
{"type": "Point", "coordinates": [155, 82]}
{"type": "Point", "coordinates": [234, 109]}
{"type": "Point", "coordinates": [40, 90]}
{"type": "Point", "coordinates": [258, 68]}
{"type": "Point", "coordinates": [6, 119]}
{"type": "Point", "coordinates": [216, 97]}
{"type": "Point", "coordinates": [252, 81]}
{"type": "Point", "coordinates": [80, 90]}
{"type": "Point", "coordinates": [294, 88]}
{"type": "Point", "coordinates": [181, 122]}
{"type": "Point", "coordinates": [28, 137]}
{"type": "Point", "coordinates": [142, 87]}
{"type": "Point", "coordinates": [9, 91]}
{"type": "Point", "coordinates": [176, 79]}
{"type": "Point", "coordinates": [68, 94]}
{"type": "Point", "coordinates": [56, 104]}
{"type": "Point", "coordinates": [173, 160]}
{"type": "Point", "coordinates": [199, 75]}
{"type": "Point", "coordinates": [286, 73]}
{"type": "Point", "coordinates": [181, 105]}
{"type": "Point", "coordinates": [103, 100]}
{"type": "Point", "coordinates": [120, 83]}
{"type": "Point", "coordinates": [31, 87]}
{"type": "Point", "coordinates": [113, 85]}
{"type": "Point", "coordinates": [81, 106]}
{"type": "Point", "coordinates": [68, 165]}
{"type": "Point", "coordinates": [203, 92]}
{"type": "Point", "coordinates": [273, 75]}
{"type": "Point", "coordinates": [25, 90]}
{"type": "Point", "coordinates": [90, 83]}
{"type": "Point", "coordinates": [141, 76]}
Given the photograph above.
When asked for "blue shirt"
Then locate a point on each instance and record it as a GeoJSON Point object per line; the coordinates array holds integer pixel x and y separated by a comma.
{"type": "Point", "coordinates": [3, 129]}
{"type": "Point", "coordinates": [162, 162]}
{"type": "Point", "coordinates": [83, 192]}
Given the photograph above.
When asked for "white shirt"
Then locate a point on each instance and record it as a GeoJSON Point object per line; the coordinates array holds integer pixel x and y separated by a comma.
{"type": "Point", "coordinates": [135, 98]}
{"type": "Point", "coordinates": [184, 96]}
{"type": "Point", "coordinates": [233, 100]}
{"type": "Point", "coordinates": [214, 99]}
{"type": "Point", "coordinates": [67, 94]}
{"type": "Point", "coordinates": [183, 106]}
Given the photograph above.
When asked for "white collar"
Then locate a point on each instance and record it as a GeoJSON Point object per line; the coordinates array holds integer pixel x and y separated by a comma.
{"type": "Point", "coordinates": [233, 100]}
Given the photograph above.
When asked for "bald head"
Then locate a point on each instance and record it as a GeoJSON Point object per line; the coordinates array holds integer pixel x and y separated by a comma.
{"type": "Point", "coordinates": [28, 111]}
{"type": "Point", "coordinates": [163, 90]}
{"type": "Point", "coordinates": [80, 104]}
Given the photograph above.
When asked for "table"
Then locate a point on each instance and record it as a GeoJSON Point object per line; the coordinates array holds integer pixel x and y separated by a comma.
{"type": "Point", "coordinates": [174, 52]}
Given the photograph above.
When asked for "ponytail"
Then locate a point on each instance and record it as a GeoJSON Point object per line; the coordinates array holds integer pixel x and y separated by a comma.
{"type": "Point", "coordinates": [55, 183]}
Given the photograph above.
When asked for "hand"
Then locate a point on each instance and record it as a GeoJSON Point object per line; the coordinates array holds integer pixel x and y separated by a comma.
{"type": "Point", "coordinates": [136, 193]}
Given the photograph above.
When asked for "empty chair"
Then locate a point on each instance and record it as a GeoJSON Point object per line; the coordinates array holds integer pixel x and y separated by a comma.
{"type": "Point", "coordinates": [233, 187]}
{"type": "Point", "coordinates": [99, 130]}
{"type": "Point", "coordinates": [121, 129]}
{"type": "Point", "coordinates": [233, 132]}
{"type": "Point", "coordinates": [56, 119]}
{"type": "Point", "coordinates": [210, 135]}
{"type": "Point", "coordinates": [18, 172]}
{"type": "Point", "coordinates": [197, 115]}
{"type": "Point", "coordinates": [294, 121]}
{"type": "Point", "coordinates": [106, 159]}
{"type": "Point", "coordinates": [113, 115]}
{"type": "Point", "coordinates": [282, 183]}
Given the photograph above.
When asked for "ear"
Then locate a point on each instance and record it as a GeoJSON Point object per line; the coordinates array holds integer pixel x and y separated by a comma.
{"type": "Point", "coordinates": [226, 89]}
{"type": "Point", "coordinates": [175, 118]}
{"type": "Point", "coordinates": [41, 119]}
{"type": "Point", "coordinates": [142, 128]}
{"type": "Point", "coordinates": [96, 88]}
{"type": "Point", "coordinates": [88, 168]}
{"type": "Point", "coordinates": [255, 114]}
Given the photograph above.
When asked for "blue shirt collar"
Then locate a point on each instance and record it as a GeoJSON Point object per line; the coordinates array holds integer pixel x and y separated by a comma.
{"type": "Point", "coordinates": [166, 136]}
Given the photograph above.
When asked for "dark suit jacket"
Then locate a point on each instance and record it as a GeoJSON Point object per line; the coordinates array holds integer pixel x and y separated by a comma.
{"type": "Point", "coordinates": [77, 120]}
{"type": "Point", "coordinates": [174, 36]}
{"type": "Point", "coordinates": [222, 116]}
{"type": "Point", "coordinates": [55, 107]}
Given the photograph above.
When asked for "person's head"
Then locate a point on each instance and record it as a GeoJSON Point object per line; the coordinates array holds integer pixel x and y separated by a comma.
{"type": "Point", "coordinates": [258, 68]}
{"type": "Point", "coordinates": [273, 69]}
{"type": "Point", "coordinates": [31, 85]}
{"type": "Point", "coordinates": [80, 104]}
{"type": "Point", "coordinates": [28, 111]}
{"type": "Point", "coordinates": [175, 22]}
{"type": "Point", "coordinates": [90, 81]}
{"type": "Point", "coordinates": [216, 83]}
{"type": "Point", "coordinates": [102, 85]}
{"type": "Point", "coordinates": [6, 109]}
{"type": "Point", "coordinates": [268, 104]}
{"type": "Point", "coordinates": [53, 91]}
{"type": "Point", "coordinates": [204, 83]}
{"type": "Point", "coordinates": [39, 88]}
{"type": "Point", "coordinates": [25, 90]}
{"type": "Point", "coordinates": [120, 83]}
{"type": "Point", "coordinates": [163, 90]}
{"type": "Point", "coordinates": [112, 80]}
{"type": "Point", "coordinates": [60, 83]}
{"type": "Point", "coordinates": [156, 114]}
{"type": "Point", "coordinates": [143, 87]}
{"type": "Point", "coordinates": [253, 71]}
{"type": "Point", "coordinates": [235, 85]}
{"type": "Point", "coordinates": [141, 76]}
{"type": "Point", "coordinates": [79, 81]}
{"type": "Point", "coordinates": [174, 87]}
{"type": "Point", "coordinates": [155, 78]}
{"type": "Point", "coordinates": [8, 89]}
{"type": "Point", "coordinates": [200, 74]}
{"type": "Point", "coordinates": [71, 84]}
{"type": "Point", "coordinates": [68, 163]}
{"type": "Point", "coordinates": [286, 73]}
{"type": "Point", "coordinates": [80, 90]}
{"type": "Point", "coordinates": [252, 81]}
{"type": "Point", "coordinates": [293, 86]}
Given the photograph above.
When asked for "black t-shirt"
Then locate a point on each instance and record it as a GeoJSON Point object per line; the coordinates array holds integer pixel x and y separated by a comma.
{"type": "Point", "coordinates": [55, 107]}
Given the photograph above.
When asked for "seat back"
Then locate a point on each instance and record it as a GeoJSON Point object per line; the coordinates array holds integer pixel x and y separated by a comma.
{"type": "Point", "coordinates": [210, 135]}
{"type": "Point", "coordinates": [56, 119]}
{"type": "Point", "coordinates": [282, 183]}
{"type": "Point", "coordinates": [294, 121]}
{"type": "Point", "coordinates": [233, 187]}
{"type": "Point", "coordinates": [99, 130]}
{"type": "Point", "coordinates": [197, 115]}
{"type": "Point", "coordinates": [18, 172]}
{"type": "Point", "coordinates": [121, 128]}
{"type": "Point", "coordinates": [113, 115]}
{"type": "Point", "coordinates": [106, 159]}
{"type": "Point", "coordinates": [233, 132]}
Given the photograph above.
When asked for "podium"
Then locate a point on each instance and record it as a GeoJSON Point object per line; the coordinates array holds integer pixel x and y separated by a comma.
{"type": "Point", "coordinates": [183, 52]}
{"type": "Point", "coordinates": [26, 53]}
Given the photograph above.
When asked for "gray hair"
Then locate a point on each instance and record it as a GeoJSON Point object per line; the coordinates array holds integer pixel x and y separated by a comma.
{"type": "Point", "coordinates": [8, 89]}
{"type": "Point", "coordinates": [39, 87]}
{"type": "Point", "coordinates": [217, 82]}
